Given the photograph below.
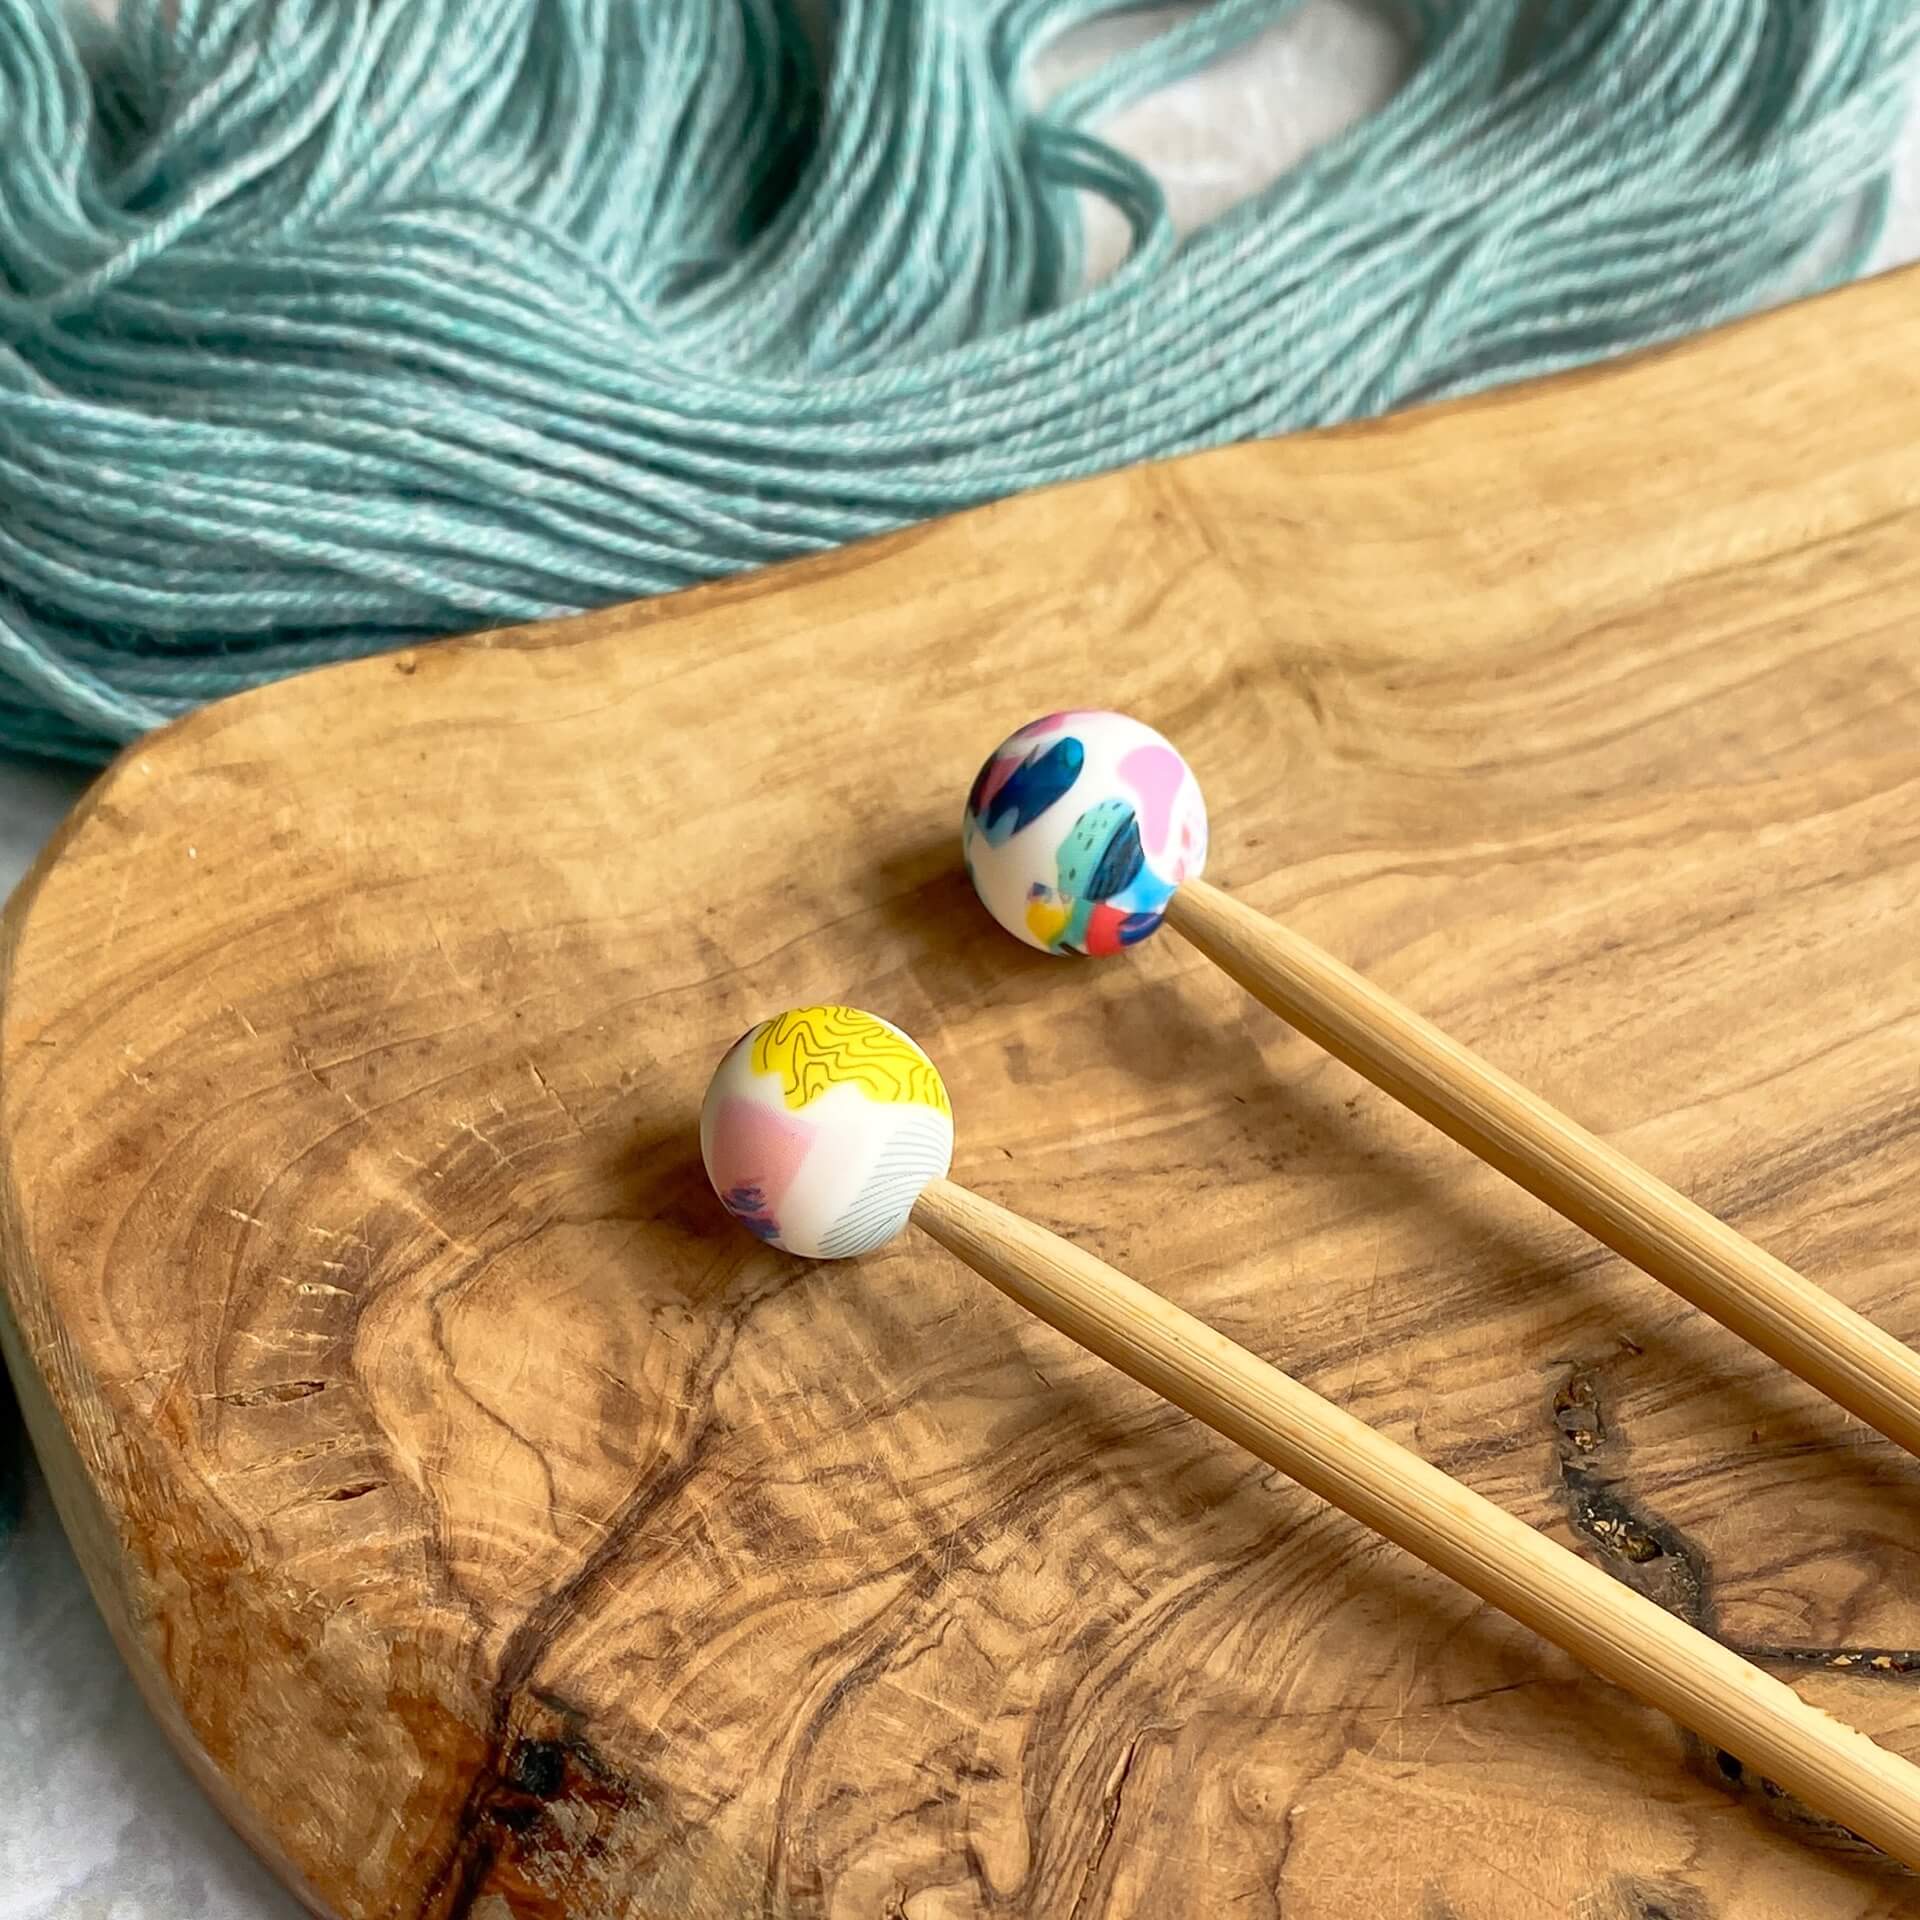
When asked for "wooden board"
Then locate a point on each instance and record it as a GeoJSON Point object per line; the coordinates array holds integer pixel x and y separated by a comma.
{"type": "Point", "coordinates": [500, 1532]}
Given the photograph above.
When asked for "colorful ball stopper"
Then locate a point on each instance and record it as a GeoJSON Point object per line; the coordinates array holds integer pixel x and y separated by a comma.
{"type": "Point", "coordinates": [821, 1127]}
{"type": "Point", "coordinates": [1079, 828]}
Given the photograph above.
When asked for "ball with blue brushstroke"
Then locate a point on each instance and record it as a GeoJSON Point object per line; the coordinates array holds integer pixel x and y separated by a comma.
{"type": "Point", "coordinates": [1079, 827]}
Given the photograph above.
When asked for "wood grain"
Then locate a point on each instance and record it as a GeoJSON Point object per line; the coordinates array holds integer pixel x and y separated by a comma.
{"type": "Point", "coordinates": [501, 1533]}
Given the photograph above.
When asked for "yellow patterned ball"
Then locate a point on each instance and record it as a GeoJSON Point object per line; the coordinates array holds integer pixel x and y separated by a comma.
{"type": "Point", "coordinates": [821, 1127]}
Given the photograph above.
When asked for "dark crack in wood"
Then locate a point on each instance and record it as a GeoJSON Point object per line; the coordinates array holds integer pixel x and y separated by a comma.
{"type": "Point", "coordinates": [1643, 1552]}
{"type": "Point", "coordinates": [1109, 1819]}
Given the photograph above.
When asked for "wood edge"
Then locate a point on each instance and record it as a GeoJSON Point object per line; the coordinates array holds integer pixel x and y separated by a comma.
{"type": "Point", "coordinates": [16, 915]}
{"type": "Point", "coordinates": [664, 609]}
{"type": "Point", "coordinates": [1867, 290]}
{"type": "Point", "coordinates": [634, 616]}
{"type": "Point", "coordinates": [84, 1519]}
{"type": "Point", "coordinates": [49, 1379]}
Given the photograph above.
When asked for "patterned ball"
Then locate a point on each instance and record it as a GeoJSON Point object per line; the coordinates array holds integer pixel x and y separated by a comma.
{"type": "Point", "coordinates": [821, 1127]}
{"type": "Point", "coordinates": [1079, 828]}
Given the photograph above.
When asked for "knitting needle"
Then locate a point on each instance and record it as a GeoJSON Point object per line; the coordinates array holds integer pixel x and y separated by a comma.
{"type": "Point", "coordinates": [1086, 830]}
{"type": "Point", "coordinates": [827, 1129]}
{"type": "Point", "coordinates": [1618, 1633]}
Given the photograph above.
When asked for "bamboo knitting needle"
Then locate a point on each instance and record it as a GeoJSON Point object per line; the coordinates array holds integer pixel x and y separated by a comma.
{"type": "Point", "coordinates": [1618, 1633]}
{"type": "Point", "coordinates": [1084, 831]}
{"type": "Point", "coordinates": [1594, 1185]}
{"type": "Point", "coordinates": [826, 1131]}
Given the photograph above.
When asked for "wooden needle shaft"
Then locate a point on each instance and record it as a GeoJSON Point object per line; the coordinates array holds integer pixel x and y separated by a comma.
{"type": "Point", "coordinates": [1610, 1628]}
{"type": "Point", "coordinates": [1575, 1172]}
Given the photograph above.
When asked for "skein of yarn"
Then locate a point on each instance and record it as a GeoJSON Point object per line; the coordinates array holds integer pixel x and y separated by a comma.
{"type": "Point", "coordinates": [329, 325]}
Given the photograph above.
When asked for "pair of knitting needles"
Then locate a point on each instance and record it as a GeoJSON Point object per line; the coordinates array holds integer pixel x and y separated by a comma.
{"type": "Point", "coordinates": [1084, 832]}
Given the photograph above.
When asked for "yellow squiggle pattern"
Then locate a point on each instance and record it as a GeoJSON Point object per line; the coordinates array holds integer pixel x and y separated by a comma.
{"type": "Point", "coordinates": [814, 1049]}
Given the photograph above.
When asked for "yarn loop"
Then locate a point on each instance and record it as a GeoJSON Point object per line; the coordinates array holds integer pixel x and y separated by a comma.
{"type": "Point", "coordinates": [332, 325]}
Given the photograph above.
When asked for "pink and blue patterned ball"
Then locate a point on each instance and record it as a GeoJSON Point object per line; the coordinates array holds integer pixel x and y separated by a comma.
{"type": "Point", "coordinates": [1079, 828]}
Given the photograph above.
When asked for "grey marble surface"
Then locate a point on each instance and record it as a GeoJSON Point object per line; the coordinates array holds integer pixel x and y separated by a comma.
{"type": "Point", "coordinates": [101, 1822]}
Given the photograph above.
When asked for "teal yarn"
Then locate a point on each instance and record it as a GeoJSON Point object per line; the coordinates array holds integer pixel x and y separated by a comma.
{"type": "Point", "coordinates": [329, 325]}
